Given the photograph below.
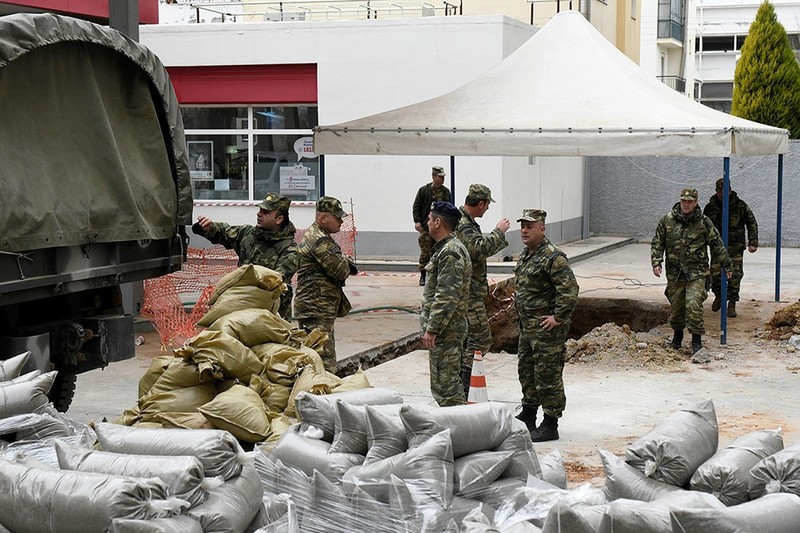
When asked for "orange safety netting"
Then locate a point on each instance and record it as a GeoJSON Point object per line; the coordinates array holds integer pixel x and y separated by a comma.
{"type": "Point", "coordinates": [174, 303]}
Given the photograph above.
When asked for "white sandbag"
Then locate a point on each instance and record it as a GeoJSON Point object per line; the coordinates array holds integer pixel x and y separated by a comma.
{"type": "Point", "coordinates": [320, 411]}
{"type": "Point", "coordinates": [524, 462]}
{"type": "Point", "coordinates": [727, 473]}
{"type": "Point", "coordinates": [273, 508]}
{"type": "Point", "coordinates": [779, 472]}
{"type": "Point", "coordinates": [12, 367]}
{"type": "Point", "coordinates": [277, 478]}
{"type": "Point", "coordinates": [218, 451]}
{"type": "Point", "coordinates": [33, 426]}
{"type": "Point", "coordinates": [624, 481]}
{"type": "Point", "coordinates": [564, 517]}
{"type": "Point", "coordinates": [175, 524]}
{"type": "Point", "coordinates": [28, 376]}
{"type": "Point", "coordinates": [632, 516]}
{"type": "Point", "coordinates": [350, 423]}
{"type": "Point", "coordinates": [386, 434]}
{"type": "Point", "coordinates": [476, 471]}
{"type": "Point", "coordinates": [39, 500]}
{"type": "Point", "coordinates": [26, 396]}
{"type": "Point", "coordinates": [232, 506]}
{"type": "Point", "coordinates": [307, 455]}
{"type": "Point", "coordinates": [553, 469]}
{"type": "Point", "coordinates": [429, 466]}
{"type": "Point", "coordinates": [773, 513]}
{"type": "Point", "coordinates": [533, 503]}
{"type": "Point", "coordinates": [676, 447]}
{"type": "Point", "coordinates": [182, 475]}
{"type": "Point", "coordinates": [474, 427]}
{"type": "Point", "coordinates": [497, 493]}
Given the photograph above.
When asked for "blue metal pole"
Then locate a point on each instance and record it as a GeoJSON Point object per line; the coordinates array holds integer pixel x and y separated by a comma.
{"type": "Point", "coordinates": [726, 188]}
{"type": "Point", "coordinates": [778, 231]}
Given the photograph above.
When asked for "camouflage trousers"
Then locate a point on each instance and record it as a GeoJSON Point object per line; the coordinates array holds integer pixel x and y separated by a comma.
{"type": "Point", "coordinates": [686, 304]}
{"type": "Point", "coordinates": [541, 369]}
{"type": "Point", "coordinates": [445, 362]}
{"type": "Point", "coordinates": [479, 334]}
{"type": "Point", "coordinates": [737, 273]}
{"type": "Point", "coordinates": [329, 348]}
{"type": "Point", "coordinates": [425, 247]}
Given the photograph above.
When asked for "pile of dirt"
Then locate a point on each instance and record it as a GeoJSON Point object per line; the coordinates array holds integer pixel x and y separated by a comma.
{"type": "Point", "coordinates": [784, 323]}
{"type": "Point", "coordinates": [620, 347]}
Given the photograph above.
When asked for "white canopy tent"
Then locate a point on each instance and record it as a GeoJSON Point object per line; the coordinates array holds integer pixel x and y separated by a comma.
{"type": "Point", "coordinates": [566, 92]}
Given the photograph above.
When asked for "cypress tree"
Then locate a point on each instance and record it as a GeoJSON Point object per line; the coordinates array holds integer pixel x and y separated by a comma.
{"type": "Point", "coordinates": [767, 79]}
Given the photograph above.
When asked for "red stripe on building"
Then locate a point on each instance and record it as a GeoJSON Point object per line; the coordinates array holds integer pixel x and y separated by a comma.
{"type": "Point", "coordinates": [148, 9]}
{"type": "Point", "coordinates": [245, 84]}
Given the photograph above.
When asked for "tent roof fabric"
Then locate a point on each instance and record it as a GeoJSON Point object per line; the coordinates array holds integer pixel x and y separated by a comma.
{"type": "Point", "coordinates": [566, 92]}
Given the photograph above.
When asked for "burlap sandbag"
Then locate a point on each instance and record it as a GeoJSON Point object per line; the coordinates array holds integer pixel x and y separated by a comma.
{"type": "Point", "coordinates": [233, 505]}
{"type": "Point", "coordinates": [218, 451]}
{"type": "Point", "coordinates": [305, 454]}
{"type": "Point", "coordinates": [524, 462]}
{"type": "Point", "coordinates": [174, 524]}
{"type": "Point", "coordinates": [676, 447]}
{"type": "Point", "coordinates": [12, 367]}
{"type": "Point", "coordinates": [474, 427]}
{"type": "Point", "coordinates": [779, 472]}
{"type": "Point", "coordinates": [241, 411]}
{"type": "Point", "coordinates": [182, 475]}
{"type": "Point", "coordinates": [312, 382]}
{"type": "Point", "coordinates": [247, 287]}
{"type": "Point", "coordinates": [386, 434]}
{"type": "Point", "coordinates": [249, 276]}
{"type": "Point", "coordinates": [284, 363]}
{"type": "Point", "coordinates": [320, 411]}
{"type": "Point", "coordinates": [632, 516]}
{"type": "Point", "coordinates": [624, 481]}
{"type": "Point", "coordinates": [218, 356]}
{"type": "Point", "coordinates": [356, 380]}
{"type": "Point", "coordinates": [26, 396]}
{"type": "Point", "coordinates": [157, 367]}
{"type": "Point", "coordinates": [179, 373]}
{"type": "Point", "coordinates": [39, 500]}
{"type": "Point", "coordinates": [773, 513]}
{"type": "Point", "coordinates": [187, 399]}
{"type": "Point", "coordinates": [258, 326]}
{"type": "Point", "coordinates": [727, 473]}
{"type": "Point", "coordinates": [279, 424]}
{"type": "Point", "coordinates": [183, 420]}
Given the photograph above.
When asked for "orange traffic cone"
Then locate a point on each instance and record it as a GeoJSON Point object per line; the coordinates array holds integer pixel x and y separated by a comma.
{"type": "Point", "coordinates": [477, 381]}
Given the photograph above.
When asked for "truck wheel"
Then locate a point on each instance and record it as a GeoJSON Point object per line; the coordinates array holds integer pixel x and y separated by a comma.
{"type": "Point", "coordinates": [63, 391]}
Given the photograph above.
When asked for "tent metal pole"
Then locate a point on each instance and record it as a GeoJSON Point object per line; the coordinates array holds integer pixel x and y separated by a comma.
{"type": "Point", "coordinates": [778, 231]}
{"type": "Point", "coordinates": [723, 289]}
{"type": "Point", "coordinates": [453, 179]}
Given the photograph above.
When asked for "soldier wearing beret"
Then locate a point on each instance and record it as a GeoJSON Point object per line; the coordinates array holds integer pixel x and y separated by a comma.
{"type": "Point", "coordinates": [479, 334]}
{"type": "Point", "coordinates": [545, 297]}
{"type": "Point", "coordinates": [426, 195]}
{"type": "Point", "coordinates": [270, 243]}
{"type": "Point", "coordinates": [740, 218]}
{"type": "Point", "coordinates": [684, 236]}
{"type": "Point", "coordinates": [321, 276]}
{"type": "Point", "coordinates": [444, 305]}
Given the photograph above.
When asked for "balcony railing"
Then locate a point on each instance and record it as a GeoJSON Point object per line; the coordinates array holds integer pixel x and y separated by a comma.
{"type": "Point", "coordinates": [674, 82]}
{"type": "Point", "coordinates": [670, 29]}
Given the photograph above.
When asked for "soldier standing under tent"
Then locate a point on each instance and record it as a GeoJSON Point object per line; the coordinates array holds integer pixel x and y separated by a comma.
{"type": "Point", "coordinates": [270, 243]}
{"type": "Point", "coordinates": [321, 277]}
{"type": "Point", "coordinates": [426, 195]}
{"type": "Point", "coordinates": [444, 305]}
{"type": "Point", "coordinates": [740, 218]}
{"type": "Point", "coordinates": [479, 334]}
{"type": "Point", "coordinates": [684, 236]}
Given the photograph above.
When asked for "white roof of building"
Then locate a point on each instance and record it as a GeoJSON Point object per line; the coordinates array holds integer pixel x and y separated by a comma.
{"type": "Point", "coordinates": [566, 92]}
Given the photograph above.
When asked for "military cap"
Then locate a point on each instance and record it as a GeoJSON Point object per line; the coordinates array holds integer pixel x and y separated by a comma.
{"type": "Point", "coordinates": [329, 204]}
{"type": "Point", "coordinates": [719, 185]}
{"type": "Point", "coordinates": [272, 202]}
{"type": "Point", "coordinates": [481, 192]}
{"type": "Point", "coordinates": [532, 215]}
{"type": "Point", "coordinates": [437, 171]}
{"type": "Point", "coordinates": [446, 209]}
{"type": "Point", "coordinates": [689, 194]}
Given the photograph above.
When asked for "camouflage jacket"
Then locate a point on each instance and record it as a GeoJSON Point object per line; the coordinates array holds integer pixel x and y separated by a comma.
{"type": "Point", "coordinates": [426, 195]}
{"type": "Point", "coordinates": [545, 284]}
{"type": "Point", "coordinates": [323, 271]}
{"type": "Point", "coordinates": [685, 241]}
{"type": "Point", "coordinates": [444, 300]}
{"type": "Point", "coordinates": [272, 249]}
{"type": "Point", "coordinates": [740, 218]}
{"type": "Point", "coordinates": [479, 248]}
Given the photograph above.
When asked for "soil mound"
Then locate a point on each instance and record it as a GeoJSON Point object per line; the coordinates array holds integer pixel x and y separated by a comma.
{"type": "Point", "coordinates": [620, 347]}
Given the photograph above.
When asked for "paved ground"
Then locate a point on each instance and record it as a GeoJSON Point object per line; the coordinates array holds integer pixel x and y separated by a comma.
{"type": "Point", "coordinates": [753, 382]}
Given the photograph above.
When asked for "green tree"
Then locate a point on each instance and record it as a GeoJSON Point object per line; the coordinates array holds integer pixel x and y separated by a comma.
{"type": "Point", "coordinates": [766, 85]}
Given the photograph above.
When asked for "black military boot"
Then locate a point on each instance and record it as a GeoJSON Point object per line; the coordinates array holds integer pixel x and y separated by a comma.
{"type": "Point", "coordinates": [548, 430]}
{"type": "Point", "coordinates": [697, 342]}
{"type": "Point", "coordinates": [466, 377]}
{"type": "Point", "coordinates": [731, 309]}
{"type": "Point", "coordinates": [717, 303]}
{"type": "Point", "coordinates": [677, 339]}
{"type": "Point", "coordinates": [528, 415]}
{"type": "Point", "coordinates": [422, 279]}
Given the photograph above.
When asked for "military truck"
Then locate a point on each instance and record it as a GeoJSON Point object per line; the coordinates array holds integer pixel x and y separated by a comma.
{"type": "Point", "coordinates": [94, 190]}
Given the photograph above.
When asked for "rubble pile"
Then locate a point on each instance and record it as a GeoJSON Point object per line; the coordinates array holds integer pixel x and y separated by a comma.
{"type": "Point", "coordinates": [785, 323]}
{"type": "Point", "coordinates": [619, 347]}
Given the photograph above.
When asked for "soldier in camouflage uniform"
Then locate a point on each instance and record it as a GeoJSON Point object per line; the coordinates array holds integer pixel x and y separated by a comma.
{"type": "Point", "coordinates": [684, 235]}
{"type": "Point", "coordinates": [270, 243]}
{"type": "Point", "coordinates": [444, 305]}
{"type": "Point", "coordinates": [479, 334]}
{"type": "Point", "coordinates": [321, 277]}
{"type": "Point", "coordinates": [426, 195]}
{"type": "Point", "coordinates": [545, 297]}
{"type": "Point", "coordinates": [740, 218]}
